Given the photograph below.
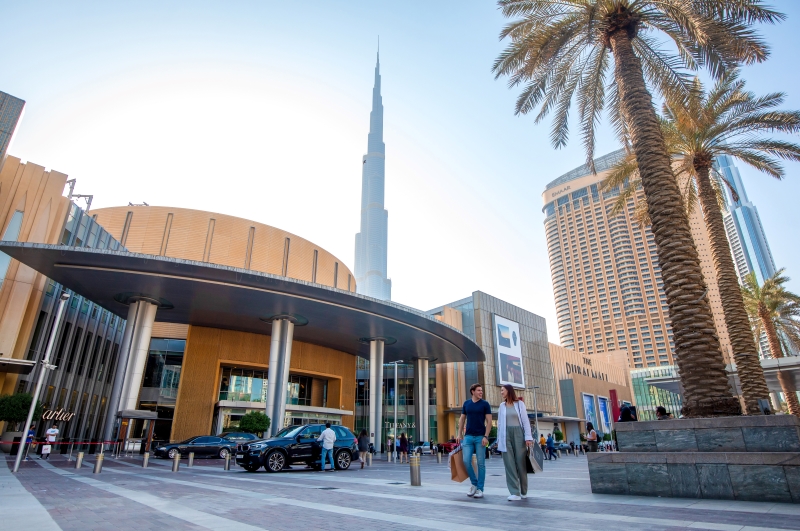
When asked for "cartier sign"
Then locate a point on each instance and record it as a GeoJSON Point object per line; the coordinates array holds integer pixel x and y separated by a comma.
{"type": "Point", "coordinates": [59, 414]}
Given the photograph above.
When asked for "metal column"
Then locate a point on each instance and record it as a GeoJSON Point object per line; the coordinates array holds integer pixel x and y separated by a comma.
{"type": "Point", "coordinates": [280, 356]}
{"type": "Point", "coordinates": [140, 348]}
{"type": "Point", "coordinates": [376, 392]}
{"type": "Point", "coordinates": [119, 373]}
{"type": "Point", "coordinates": [421, 399]}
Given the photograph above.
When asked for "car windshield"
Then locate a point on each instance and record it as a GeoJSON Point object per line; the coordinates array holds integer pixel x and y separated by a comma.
{"type": "Point", "coordinates": [187, 441]}
{"type": "Point", "coordinates": [291, 431]}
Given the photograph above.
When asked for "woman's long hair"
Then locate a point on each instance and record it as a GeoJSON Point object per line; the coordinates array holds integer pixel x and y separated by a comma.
{"type": "Point", "coordinates": [363, 433]}
{"type": "Point", "coordinates": [589, 427]}
{"type": "Point", "coordinates": [511, 393]}
{"type": "Point", "coordinates": [402, 437]}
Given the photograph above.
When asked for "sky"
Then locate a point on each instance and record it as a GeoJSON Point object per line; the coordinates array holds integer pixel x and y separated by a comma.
{"type": "Point", "coordinates": [261, 110]}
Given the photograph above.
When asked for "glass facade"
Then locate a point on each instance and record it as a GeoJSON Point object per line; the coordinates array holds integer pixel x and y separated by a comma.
{"type": "Point", "coordinates": [648, 397]}
{"type": "Point", "coordinates": [10, 113]}
{"type": "Point", "coordinates": [162, 374]}
{"type": "Point", "coordinates": [243, 385]}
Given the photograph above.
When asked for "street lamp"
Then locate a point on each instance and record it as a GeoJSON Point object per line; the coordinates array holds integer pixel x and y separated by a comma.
{"type": "Point", "coordinates": [394, 442]}
{"type": "Point", "coordinates": [45, 365]}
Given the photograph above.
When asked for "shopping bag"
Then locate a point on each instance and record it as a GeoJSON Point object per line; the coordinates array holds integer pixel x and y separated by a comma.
{"type": "Point", "coordinates": [46, 449]}
{"type": "Point", "coordinates": [458, 471]}
{"type": "Point", "coordinates": [532, 464]}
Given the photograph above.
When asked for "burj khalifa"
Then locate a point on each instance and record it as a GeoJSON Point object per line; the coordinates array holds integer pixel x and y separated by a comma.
{"type": "Point", "coordinates": [371, 241]}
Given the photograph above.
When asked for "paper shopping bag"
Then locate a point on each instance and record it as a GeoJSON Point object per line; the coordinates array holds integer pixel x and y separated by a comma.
{"type": "Point", "coordinates": [458, 471]}
{"type": "Point", "coordinates": [46, 449]}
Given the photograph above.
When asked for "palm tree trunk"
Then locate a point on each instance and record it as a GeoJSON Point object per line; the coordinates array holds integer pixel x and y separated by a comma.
{"type": "Point", "coordinates": [787, 385]}
{"type": "Point", "coordinates": [697, 349]}
{"type": "Point", "coordinates": [745, 352]}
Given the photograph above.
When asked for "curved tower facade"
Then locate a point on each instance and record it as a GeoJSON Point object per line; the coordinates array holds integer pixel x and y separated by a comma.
{"type": "Point", "coordinates": [371, 241]}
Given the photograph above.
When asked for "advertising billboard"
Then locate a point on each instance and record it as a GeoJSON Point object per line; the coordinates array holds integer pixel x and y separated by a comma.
{"type": "Point", "coordinates": [605, 417]}
{"type": "Point", "coordinates": [508, 352]}
{"type": "Point", "coordinates": [589, 411]}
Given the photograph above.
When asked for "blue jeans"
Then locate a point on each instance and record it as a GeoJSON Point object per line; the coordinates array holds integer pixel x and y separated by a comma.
{"type": "Point", "coordinates": [329, 453]}
{"type": "Point", "coordinates": [473, 444]}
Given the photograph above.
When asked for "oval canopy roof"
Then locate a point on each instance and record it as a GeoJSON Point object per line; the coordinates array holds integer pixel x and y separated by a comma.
{"type": "Point", "coordinates": [203, 294]}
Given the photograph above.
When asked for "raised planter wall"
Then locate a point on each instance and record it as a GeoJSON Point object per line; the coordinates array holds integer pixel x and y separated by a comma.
{"type": "Point", "coordinates": [754, 458]}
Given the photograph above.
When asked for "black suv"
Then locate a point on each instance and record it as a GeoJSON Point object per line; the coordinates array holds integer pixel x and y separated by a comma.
{"type": "Point", "coordinates": [295, 445]}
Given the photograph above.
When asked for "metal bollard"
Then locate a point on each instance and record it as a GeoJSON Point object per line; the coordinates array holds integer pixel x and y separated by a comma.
{"type": "Point", "coordinates": [176, 463]}
{"type": "Point", "coordinates": [416, 478]}
{"type": "Point", "coordinates": [439, 457]}
{"type": "Point", "coordinates": [191, 459]}
{"type": "Point", "coordinates": [228, 462]}
{"type": "Point", "coordinates": [98, 464]}
{"type": "Point", "coordinates": [146, 460]}
{"type": "Point", "coordinates": [369, 458]}
{"type": "Point", "coordinates": [79, 460]}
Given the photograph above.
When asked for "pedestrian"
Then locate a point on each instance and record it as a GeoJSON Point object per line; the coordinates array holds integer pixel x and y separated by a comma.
{"type": "Point", "coordinates": [432, 446]}
{"type": "Point", "coordinates": [328, 437]}
{"type": "Point", "coordinates": [591, 437]}
{"type": "Point", "coordinates": [626, 415]}
{"type": "Point", "coordinates": [572, 446]}
{"type": "Point", "coordinates": [403, 447]}
{"type": "Point", "coordinates": [50, 437]}
{"type": "Point", "coordinates": [543, 444]}
{"type": "Point", "coordinates": [475, 424]}
{"type": "Point", "coordinates": [551, 448]}
{"type": "Point", "coordinates": [661, 413]}
{"type": "Point", "coordinates": [513, 436]}
{"type": "Point", "coordinates": [363, 446]}
{"type": "Point", "coordinates": [29, 441]}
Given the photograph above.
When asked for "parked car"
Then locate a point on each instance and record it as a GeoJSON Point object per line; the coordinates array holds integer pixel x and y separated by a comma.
{"type": "Point", "coordinates": [448, 446]}
{"type": "Point", "coordinates": [202, 446]}
{"type": "Point", "coordinates": [564, 447]}
{"type": "Point", "coordinates": [297, 445]}
{"type": "Point", "coordinates": [424, 448]}
{"type": "Point", "coordinates": [239, 436]}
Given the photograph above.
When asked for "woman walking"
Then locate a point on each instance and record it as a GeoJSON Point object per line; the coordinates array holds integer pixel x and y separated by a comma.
{"type": "Point", "coordinates": [513, 435]}
{"type": "Point", "coordinates": [363, 446]}
{"type": "Point", "coordinates": [403, 448]}
{"type": "Point", "coordinates": [591, 437]}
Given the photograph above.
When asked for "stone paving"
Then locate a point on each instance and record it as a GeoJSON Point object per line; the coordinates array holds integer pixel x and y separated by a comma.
{"type": "Point", "coordinates": [52, 495]}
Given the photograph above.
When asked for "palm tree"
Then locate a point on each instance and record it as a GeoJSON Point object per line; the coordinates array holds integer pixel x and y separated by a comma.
{"type": "Point", "coordinates": [775, 311]}
{"type": "Point", "coordinates": [559, 50]}
{"type": "Point", "coordinates": [698, 128]}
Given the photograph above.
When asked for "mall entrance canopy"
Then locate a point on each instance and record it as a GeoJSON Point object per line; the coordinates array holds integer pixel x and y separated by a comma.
{"type": "Point", "coordinates": [136, 287]}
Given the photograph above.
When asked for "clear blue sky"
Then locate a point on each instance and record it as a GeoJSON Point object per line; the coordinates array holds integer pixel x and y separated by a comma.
{"type": "Point", "coordinates": [261, 109]}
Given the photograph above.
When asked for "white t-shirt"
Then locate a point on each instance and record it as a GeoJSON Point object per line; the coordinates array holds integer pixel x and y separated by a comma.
{"type": "Point", "coordinates": [328, 437]}
{"type": "Point", "coordinates": [52, 433]}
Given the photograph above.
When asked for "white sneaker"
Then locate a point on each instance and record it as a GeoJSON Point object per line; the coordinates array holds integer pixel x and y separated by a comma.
{"type": "Point", "coordinates": [514, 497]}
{"type": "Point", "coordinates": [478, 494]}
{"type": "Point", "coordinates": [472, 490]}
{"type": "Point", "coordinates": [523, 496]}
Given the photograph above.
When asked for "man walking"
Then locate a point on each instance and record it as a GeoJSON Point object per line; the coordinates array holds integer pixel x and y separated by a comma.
{"type": "Point", "coordinates": [50, 436]}
{"type": "Point", "coordinates": [328, 437]}
{"type": "Point", "coordinates": [475, 424]}
{"type": "Point", "coordinates": [29, 441]}
{"type": "Point", "coordinates": [551, 448]}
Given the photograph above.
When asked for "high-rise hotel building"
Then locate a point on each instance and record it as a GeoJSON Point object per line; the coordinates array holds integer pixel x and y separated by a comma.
{"type": "Point", "coordinates": [608, 290]}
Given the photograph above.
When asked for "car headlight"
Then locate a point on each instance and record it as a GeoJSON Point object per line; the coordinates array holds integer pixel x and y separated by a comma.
{"type": "Point", "coordinates": [258, 446]}
{"type": "Point", "coordinates": [161, 448]}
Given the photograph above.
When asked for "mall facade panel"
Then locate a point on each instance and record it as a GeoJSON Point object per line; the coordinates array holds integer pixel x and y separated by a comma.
{"type": "Point", "coordinates": [607, 283]}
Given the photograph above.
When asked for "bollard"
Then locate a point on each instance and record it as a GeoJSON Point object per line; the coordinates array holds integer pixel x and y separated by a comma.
{"type": "Point", "coordinates": [228, 462]}
{"type": "Point", "coordinates": [439, 457]}
{"type": "Point", "coordinates": [98, 464]}
{"type": "Point", "coordinates": [191, 459]}
{"type": "Point", "coordinates": [176, 463]}
{"type": "Point", "coordinates": [146, 460]}
{"type": "Point", "coordinates": [558, 452]}
{"type": "Point", "coordinates": [70, 451]}
{"type": "Point", "coordinates": [79, 460]}
{"type": "Point", "coordinates": [416, 478]}
{"type": "Point", "coordinates": [390, 456]}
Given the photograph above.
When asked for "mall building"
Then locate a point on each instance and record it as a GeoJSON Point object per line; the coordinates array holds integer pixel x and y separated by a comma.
{"type": "Point", "coordinates": [181, 318]}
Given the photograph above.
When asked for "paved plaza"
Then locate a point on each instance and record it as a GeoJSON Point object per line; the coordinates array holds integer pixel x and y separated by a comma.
{"type": "Point", "coordinates": [53, 495]}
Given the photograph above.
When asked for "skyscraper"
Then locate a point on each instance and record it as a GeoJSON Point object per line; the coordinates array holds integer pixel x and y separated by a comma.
{"type": "Point", "coordinates": [745, 233]}
{"type": "Point", "coordinates": [371, 242]}
{"type": "Point", "coordinates": [607, 283]}
{"type": "Point", "coordinates": [10, 113]}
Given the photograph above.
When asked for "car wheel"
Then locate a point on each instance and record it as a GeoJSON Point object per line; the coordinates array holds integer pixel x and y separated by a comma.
{"type": "Point", "coordinates": [275, 461]}
{"type": "Point", "coordinates": [343, 459]}
{"type": "Point", "coordinates": [223, 453]}
{"type": "Point", "coordinates": [173, 452]}
{"type": "Point", "coordinates": [251, 467]}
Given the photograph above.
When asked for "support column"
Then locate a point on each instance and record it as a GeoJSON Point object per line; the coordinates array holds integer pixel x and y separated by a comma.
{"type": "Point", "coordinates": [376, 392]}
{"type": "Point", "coordinates": [140, 348]}
{"type": "Point", "coordinates": [115, 397]}
{"type": "Point", "coordinates": [280, 356]}
{"type": "Point", "coordinates": [421, 399]}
